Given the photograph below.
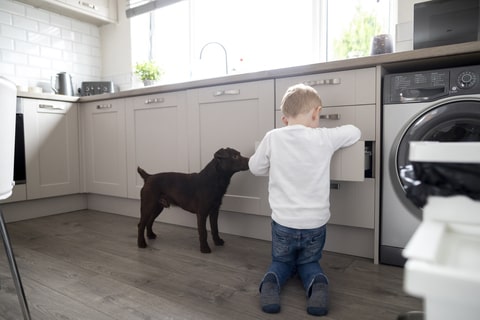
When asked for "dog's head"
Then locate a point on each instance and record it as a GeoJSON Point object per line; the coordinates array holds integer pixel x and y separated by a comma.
{"type": "Point", "coordinates": [231, 160]}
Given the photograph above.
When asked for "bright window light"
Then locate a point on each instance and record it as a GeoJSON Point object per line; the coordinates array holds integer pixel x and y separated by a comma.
{"type": "Point", "coordinates": [255, 34]}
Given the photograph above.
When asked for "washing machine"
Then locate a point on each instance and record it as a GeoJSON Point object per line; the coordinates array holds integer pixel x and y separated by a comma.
{"type": "Point", "coordinates": [435, 105]}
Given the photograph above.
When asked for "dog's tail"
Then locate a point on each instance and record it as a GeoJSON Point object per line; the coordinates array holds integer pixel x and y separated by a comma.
{"type": "Point", "coordinates": [143, 173]}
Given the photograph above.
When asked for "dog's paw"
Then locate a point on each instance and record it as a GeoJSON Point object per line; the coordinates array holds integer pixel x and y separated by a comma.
{"type": "Point", "coordinates": [219, 242]}
{"type": "Point", "coordinates": [205, 249]}
{"type": "Point", "coordinates": [151, 235]}
{"type": "Point", "coordinates": [142, 244]}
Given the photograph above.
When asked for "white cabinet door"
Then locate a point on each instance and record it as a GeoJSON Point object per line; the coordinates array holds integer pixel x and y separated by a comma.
{"type": "Point", "coordinates": [235, 116]}
{"type": "Point", "coordinates": [103, 125]}
{"type": "Point", "coordinates": [156, 136]}
{"type": "Point", "coordinates": [352, 203]}
{"type": "Point", "coordinates": [51, 148]}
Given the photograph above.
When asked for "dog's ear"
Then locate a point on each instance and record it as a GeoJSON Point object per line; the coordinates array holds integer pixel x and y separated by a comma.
{"type": "Point", "coordinates": [221, 154]}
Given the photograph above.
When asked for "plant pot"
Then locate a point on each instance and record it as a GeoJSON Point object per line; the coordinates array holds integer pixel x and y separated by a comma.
{"type": "Point", "coordinates": [149, 82]}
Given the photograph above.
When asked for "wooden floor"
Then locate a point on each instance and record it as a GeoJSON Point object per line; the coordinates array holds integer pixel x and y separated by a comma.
{"type": "Point", "coordinates": [86, 265]}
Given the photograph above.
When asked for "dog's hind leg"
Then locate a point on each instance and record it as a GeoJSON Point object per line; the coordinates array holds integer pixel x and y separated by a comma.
{"type": "Point", "coordinates": [214, 228]}
{"type": "Point", "coordinates": [150, 233]}
{"type": "Point", "coordinates": [147, 210]}
{"type": "Point", "coordinates": [202, 232]}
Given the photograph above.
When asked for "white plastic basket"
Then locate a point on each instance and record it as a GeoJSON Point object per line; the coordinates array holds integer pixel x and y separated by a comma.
{"type": "Point", "coordinates": [8, 96]}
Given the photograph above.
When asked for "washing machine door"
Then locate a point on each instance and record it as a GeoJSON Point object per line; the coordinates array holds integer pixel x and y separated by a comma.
{"type": "Point", "coordinates": [452, 120]}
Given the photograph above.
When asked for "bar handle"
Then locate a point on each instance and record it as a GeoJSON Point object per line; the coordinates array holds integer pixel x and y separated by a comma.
{"type": "Point", "coordinates": [333, 116]}
{"type": "Point", "coordinates": [229, 92]}
{"type": "Point", "coordinates": [323, 82]}
{"type": "Point", "coordinates": [104, 106]}
{"type": "Point", "coordinates": [154, 100]}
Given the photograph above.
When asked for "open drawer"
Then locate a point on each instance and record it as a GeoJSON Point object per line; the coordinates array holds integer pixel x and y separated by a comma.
{"type": "Point", "coordinates": [348, 164]}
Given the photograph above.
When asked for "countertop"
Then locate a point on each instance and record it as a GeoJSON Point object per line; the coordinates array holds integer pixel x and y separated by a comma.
{"type": "Point", "coordinates": [428, 58]}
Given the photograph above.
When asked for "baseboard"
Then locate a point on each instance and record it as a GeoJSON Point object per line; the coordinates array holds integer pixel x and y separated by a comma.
{"type": "Point", "coordinates": [341, 239]}
{"type": "Point", "coordinates": [30, 209]}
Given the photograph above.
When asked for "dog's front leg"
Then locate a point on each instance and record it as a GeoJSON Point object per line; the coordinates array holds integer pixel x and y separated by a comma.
{"type": "Point", "coordinates": [202, 231]}
{"type": "Point", "coordinates": [214, 226]}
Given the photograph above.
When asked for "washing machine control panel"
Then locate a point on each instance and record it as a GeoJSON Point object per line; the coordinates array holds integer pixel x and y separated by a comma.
{"type": "Point", "coordinates": [431, 85]}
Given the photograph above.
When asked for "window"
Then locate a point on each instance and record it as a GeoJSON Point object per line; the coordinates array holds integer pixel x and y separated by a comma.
{"type": "Point", "coordinates": [194, 39]}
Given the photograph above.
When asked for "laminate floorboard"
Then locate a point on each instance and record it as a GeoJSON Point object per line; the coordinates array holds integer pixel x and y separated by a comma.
{"type": "Point", "coordinates": [86, 265]}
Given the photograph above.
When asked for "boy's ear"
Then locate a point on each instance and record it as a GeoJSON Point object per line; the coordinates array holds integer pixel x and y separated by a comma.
{"type": "Point", "coordinates": [285, 120]}
{"type": "Point", "coordinates": [316, 112]}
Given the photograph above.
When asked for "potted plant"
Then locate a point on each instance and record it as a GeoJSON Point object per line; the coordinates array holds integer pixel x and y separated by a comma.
{"type": "Point", "coordinates": [148, 72]}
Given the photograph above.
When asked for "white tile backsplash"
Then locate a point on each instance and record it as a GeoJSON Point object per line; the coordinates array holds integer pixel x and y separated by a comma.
{"type": "Point", "coordinates": [36, 44]}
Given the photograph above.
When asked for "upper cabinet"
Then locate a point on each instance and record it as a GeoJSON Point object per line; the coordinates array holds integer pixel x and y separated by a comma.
{"type": "Point", "coordinates": [98, 12]}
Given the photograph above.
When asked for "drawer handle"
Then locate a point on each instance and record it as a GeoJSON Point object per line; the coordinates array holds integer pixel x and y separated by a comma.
{"type": "Point", "coordinates": [154, 100]}
{"type": "Point", "coordinates": [335, 186]}
{"type": "Point", "coordinates": [104, 106]}
{"type": "Point", "coordinates": [323, 82]}
{"type": "Point", "coordinates": [88, 5]}
{"type": "Point", "coordinates": [50, 106]}
{"type": "Point", "coordinates": [231, 92]}
{"type": "Point", "coordinates": [333, 116]}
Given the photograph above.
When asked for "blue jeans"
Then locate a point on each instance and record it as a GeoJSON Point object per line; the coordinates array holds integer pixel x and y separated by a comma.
{"type": "Point", "coordinates": [297, 251]}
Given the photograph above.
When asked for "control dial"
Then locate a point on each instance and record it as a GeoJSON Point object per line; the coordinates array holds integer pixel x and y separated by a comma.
{"type": "Point", "coordinates": [467, 79]}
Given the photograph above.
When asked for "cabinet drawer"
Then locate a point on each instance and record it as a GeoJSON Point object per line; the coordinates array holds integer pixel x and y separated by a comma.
{"type": "Point", "coordinates": [362, 116]}
{"type": "Point", "coordinates": [353, 87]}
{"type": "Point", "coordinates": [352, 203]}
{"type": "Point", "coordinates": [348, 164]}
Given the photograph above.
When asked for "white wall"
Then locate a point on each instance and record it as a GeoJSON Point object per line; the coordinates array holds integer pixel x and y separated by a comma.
{"type": "Point", "coordinates": [36, 44]}
{"type": "Point", "coordinates": [116, 48]}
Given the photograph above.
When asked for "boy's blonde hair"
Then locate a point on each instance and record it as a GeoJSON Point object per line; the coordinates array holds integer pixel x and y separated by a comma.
{"type": "Point", "coordinates": [300, 99]}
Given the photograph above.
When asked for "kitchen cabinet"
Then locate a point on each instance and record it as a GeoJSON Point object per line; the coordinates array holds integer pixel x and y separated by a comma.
{"type": "Point", "coordinates": [347, 164]}
{"type": "Point", "coordinates": [348, 97]}
{"type": "Point", "coordinates": [237, 116]}
{"type": "Point", "coordinates": [98, 12]}
{"type": "Point", "coordinates": [104, 138]}
{"type": "Point", "coordinates": [157, 140]}
{"type": "Point", "coordinates": [343, 88]}
{"type": "Point", "coordinates": [352, 203]}
{"type": "Point", "coordinates": [51, 148]}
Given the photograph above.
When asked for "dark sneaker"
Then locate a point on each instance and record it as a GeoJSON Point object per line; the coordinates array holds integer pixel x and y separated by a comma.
{"type": "Point", "coordinates": [317, 303]}
{"type": "Point", "coordinates": [270, 294]}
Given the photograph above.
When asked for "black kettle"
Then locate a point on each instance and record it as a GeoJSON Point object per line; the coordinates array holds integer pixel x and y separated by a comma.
{"type": "Point", "coordinates": [63, 84]}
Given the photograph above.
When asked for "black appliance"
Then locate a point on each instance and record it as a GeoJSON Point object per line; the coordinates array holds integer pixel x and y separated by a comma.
{"type": "Point", "coordinates": [19, 170]}
{"type": "Point", "coordinates": [444, 22]}
{"type": "Point", "coordinates": [90, 88]}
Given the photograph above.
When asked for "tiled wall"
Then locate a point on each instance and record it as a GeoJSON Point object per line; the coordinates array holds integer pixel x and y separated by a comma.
{"type": "Point", "coordinates": [36, 44]}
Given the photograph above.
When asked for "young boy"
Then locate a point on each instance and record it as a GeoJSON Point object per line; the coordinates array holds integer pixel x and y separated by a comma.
{"type": "Point", "coordinates": [297, 160]}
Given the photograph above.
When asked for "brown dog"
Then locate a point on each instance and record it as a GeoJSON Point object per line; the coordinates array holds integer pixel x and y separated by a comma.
{"type": "Point", "coordinates": [200, 193]}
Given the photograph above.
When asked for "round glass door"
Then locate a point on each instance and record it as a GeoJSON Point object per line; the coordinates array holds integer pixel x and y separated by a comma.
{"type": "Point", "coordinates": [457, 121]}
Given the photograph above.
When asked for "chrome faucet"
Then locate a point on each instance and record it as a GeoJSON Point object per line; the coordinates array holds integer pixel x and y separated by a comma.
{"type": "Point", "coordinates": [224, 50]}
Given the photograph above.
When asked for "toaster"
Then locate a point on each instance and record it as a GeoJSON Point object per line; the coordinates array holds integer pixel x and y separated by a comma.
{"type": "Point", "coordinates": [90, 88]}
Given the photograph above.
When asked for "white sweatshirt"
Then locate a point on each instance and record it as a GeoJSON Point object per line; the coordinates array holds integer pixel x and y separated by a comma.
{"type": "Point", "coordinates": [297, 160]}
